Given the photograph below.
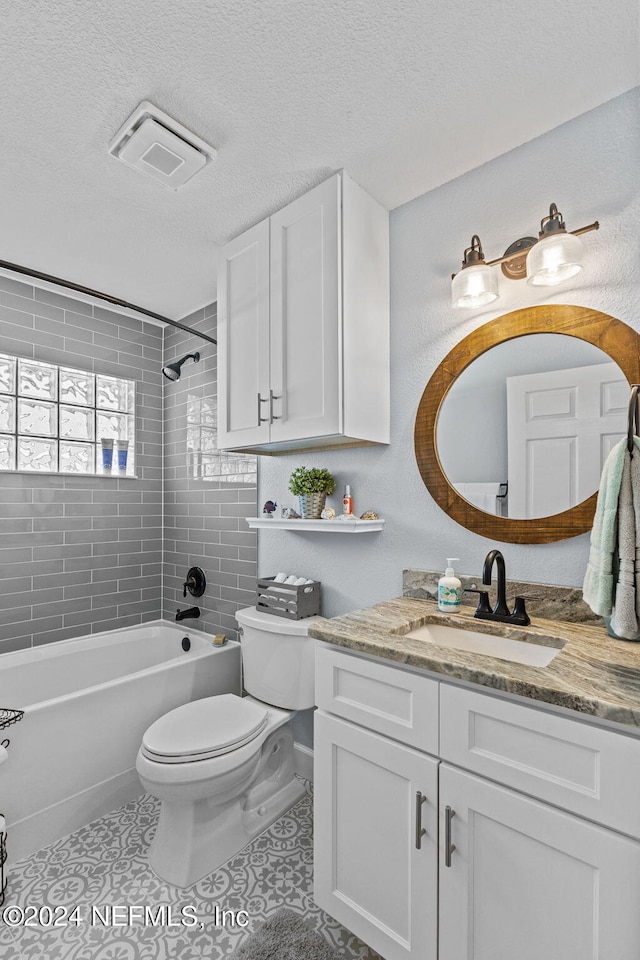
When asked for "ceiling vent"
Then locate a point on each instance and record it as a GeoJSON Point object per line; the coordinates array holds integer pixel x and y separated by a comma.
{"type": "Point", "coordinates": [157, 145]}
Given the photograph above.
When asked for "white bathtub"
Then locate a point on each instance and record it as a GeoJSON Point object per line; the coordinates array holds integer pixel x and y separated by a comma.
{"type": "Point", "coordinates": [87, 703]}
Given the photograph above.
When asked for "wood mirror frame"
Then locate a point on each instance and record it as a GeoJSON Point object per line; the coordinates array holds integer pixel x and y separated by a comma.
{"type": "Point", "coordinates": [612, 336]}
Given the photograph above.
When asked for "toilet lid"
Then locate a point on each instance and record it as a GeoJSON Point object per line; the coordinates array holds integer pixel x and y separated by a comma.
{"type": "Point", "coordinates": [203, 729]}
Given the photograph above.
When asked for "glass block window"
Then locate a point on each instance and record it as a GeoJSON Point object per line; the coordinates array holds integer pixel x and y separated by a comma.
{"type": "Point", "coordinates": [204, 460]}
{"type": "Point", "coordinates": [54, 419]}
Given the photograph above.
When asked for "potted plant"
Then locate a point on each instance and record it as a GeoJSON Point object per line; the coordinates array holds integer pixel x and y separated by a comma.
{"type": "Point", "coordinates": [311, 487]}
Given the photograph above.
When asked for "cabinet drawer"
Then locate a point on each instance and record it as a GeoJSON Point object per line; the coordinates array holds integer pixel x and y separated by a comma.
{"type": "Point", "coordinates": [396, 703]}
{"type": "Point", "coordinates": [582, 768]}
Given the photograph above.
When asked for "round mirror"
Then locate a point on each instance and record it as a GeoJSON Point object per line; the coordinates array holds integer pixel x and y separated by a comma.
{"type": "Point", "coordinates": [515, 424]}
{"type": "Point", "coordinates": [549, 409]}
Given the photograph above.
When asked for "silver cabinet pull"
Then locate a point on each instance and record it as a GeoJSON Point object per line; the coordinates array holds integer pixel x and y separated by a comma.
{"type": "Point", "coordinates": [420, 830]}
{"type": "Point", "coordinates": [273, 397]}
{"type": "Point", "coordinates": [261, 419]}
{"type": "Point", "coordinates": [449, 847]}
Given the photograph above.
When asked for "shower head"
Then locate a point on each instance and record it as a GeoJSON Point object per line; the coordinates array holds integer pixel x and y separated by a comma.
{"type": "Point", "coordinates": [172, 371]}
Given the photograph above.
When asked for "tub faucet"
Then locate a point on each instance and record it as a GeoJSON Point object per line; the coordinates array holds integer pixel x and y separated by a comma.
{"type": "Point", "coordinates": [500, 612]}
{"type": "Point", "coordinates": [186, 614]}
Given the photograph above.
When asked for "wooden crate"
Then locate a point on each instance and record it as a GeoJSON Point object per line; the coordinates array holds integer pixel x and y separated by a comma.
{"type": "Point", "coordinates": [287, 600]}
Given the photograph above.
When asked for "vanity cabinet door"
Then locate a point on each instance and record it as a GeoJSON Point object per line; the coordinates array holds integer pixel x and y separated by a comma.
{"type": "Point", "coordinates": [529, 881]}
{"type": "Point", "coordinates": [243, 339]}
{"type": "Point", "coordinates": [370, 873]}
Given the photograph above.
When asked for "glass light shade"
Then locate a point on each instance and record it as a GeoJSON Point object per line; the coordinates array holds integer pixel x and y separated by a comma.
{"type": "Point", "coordinates": [553, 259]}
{"type": "Point", "coordinates": [474, 286]}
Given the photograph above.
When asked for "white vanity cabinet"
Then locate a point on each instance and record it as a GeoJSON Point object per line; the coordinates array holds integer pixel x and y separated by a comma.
{"type": "Point", "coordinates": [376, 803]}
{"type": "Point", "coordinates": [373, 872]}
{"type": "Point", "coordinates": [303, 326]}
{"type": "Point", "coordinates": [519, 878]}
{"type": "Point", "coordinates": [526, 862]}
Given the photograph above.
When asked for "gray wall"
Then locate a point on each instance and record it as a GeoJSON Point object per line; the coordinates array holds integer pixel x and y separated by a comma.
{"type": "Point", "coordinates": [204, 519]}
{"type": "Point", "coordinates": [81, 554]}
{"type": "Point", "coordinates": [589, 167]}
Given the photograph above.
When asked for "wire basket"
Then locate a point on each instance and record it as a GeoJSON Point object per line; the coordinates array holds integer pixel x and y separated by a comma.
{"type": "Point", "coordinates": [287, 600]}
{"type": "Point", "coordinates": [7, 717]}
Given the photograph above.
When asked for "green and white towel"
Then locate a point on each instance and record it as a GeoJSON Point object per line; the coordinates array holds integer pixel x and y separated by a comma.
{"type": "Point", "coordinates": [612, 584]}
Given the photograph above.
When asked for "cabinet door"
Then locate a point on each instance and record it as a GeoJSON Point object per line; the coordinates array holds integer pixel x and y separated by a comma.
{"type": "Point", "coordinates": [243, 339]}
{"type": "Point", "coordinates": [369, 872]}
{"type": "Point", "coordinates": [306, 317]}
{"type": "Point", "coordinates": [526, 880]}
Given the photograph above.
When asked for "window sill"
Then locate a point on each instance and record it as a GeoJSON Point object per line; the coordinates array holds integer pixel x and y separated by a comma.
{"type": "Point", "coordinates": [61, 473]}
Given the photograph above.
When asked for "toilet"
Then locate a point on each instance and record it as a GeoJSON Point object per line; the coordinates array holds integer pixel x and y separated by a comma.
{"type": "Point", "coordinates": [222, 767]}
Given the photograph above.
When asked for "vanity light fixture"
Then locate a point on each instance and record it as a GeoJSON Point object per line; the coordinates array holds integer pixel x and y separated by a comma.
{"type": "Point", "coordinates": [173, 371]}
{"type": "Point", "coordinates": [476, 284]}
{"type": "Point", "coordinates": [554, 256]}
{"type": "Point", "coordinates": [557, 255]}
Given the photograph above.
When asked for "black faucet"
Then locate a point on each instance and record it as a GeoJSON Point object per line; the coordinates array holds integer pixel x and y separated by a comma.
{"type": "Point", "coordinates": [190, 612]}
{"type": "Point", "coordinates": [500, 612]}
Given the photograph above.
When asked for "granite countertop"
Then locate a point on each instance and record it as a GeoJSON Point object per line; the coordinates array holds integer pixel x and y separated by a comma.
{"type": "Point", "coordinates": [594, 674]}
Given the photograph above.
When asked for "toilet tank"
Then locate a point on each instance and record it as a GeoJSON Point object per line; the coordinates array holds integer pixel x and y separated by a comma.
{"type": "Point", "coordinates": [277, 659]}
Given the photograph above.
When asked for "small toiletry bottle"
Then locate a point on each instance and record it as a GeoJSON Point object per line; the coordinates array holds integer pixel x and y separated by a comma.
{"type": "Point", "coordinates": [347, 501]}
{"type": "Point", "coordinates": [449, 589]}
{"type": "Point", "coordinates": [107, 453]}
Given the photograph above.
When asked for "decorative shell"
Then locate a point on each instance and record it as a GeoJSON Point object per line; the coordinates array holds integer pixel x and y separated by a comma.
{"type": "Point", "coordinates": [328, 513]}
{"type": "Point", "coordinates": [369, 515]}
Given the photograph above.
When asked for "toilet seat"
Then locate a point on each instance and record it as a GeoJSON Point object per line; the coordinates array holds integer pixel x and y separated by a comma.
{"type": "Point", "coordinates": [203, 729]}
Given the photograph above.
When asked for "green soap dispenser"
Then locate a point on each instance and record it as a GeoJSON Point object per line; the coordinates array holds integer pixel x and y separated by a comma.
{"type": "Point", "coordinates": [450, 589]}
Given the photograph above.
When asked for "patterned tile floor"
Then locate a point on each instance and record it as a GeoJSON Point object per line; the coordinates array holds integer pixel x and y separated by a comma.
{"type": "Point", "coordinates": [104, 865]}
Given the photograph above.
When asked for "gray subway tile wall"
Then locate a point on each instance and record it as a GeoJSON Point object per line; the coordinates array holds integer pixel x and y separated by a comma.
{"type": "Point", "coordinates": [81, 554]}
{"type": "Point", "coordinates": [204, 518]}
{"type": "Point", "coordinates": [85, 554]}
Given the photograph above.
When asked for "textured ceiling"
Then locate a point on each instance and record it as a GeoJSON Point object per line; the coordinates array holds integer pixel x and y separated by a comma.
{"type": "Point", "coordinates": [403, 95]}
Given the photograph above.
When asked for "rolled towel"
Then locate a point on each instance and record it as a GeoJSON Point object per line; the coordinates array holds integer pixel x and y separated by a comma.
{"type": "Point", "coordinates": [299, 582]}
{"type": "Point", "coordinates": [280, 577]}
{"type": "Point", "coordinates": [291, 579]}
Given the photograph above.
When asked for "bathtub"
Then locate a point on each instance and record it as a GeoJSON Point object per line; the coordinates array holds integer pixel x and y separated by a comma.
{"type": "Point", "coordinates": [87, 703]}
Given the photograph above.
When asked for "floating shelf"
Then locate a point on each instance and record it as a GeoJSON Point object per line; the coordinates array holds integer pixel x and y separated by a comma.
{"type": "Point", "coordinates": [317, 526]}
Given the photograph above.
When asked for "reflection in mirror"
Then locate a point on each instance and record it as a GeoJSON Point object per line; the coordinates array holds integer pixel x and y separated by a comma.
{"type": "Point", "coordinates": [525, 429]}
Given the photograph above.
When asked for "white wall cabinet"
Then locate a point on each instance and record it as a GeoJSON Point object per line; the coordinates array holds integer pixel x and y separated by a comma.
{"type": "Point", "coordinates": [516, 875]}
{"type": "Point", "coordinates": [303, 326]}
{"type": "Point", "coordinates": [372, 872]}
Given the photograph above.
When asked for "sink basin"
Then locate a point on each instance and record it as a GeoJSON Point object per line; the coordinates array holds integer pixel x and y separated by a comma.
{"type": "Point", "coordinates": [503, 648]}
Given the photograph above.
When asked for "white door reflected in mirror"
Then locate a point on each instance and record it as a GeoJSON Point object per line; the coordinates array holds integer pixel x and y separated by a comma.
{"type": "Point", "coordinates": [526, 427]}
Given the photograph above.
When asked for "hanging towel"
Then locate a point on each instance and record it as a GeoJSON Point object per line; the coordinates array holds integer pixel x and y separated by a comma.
{"type": "Point", "coordinates": [624, 616]}
{"type": "Point", "coordinates": [614, 543]}
{"type": "Point", "coordinates": [597, 589]}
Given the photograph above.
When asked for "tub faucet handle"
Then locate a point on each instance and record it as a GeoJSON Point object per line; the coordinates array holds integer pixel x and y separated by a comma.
{"type": "Point", "coordinates": [195, 583]}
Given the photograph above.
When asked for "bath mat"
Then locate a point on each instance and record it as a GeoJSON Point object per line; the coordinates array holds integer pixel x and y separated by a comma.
{"type": "Point", "coordinates": [285, 937]}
